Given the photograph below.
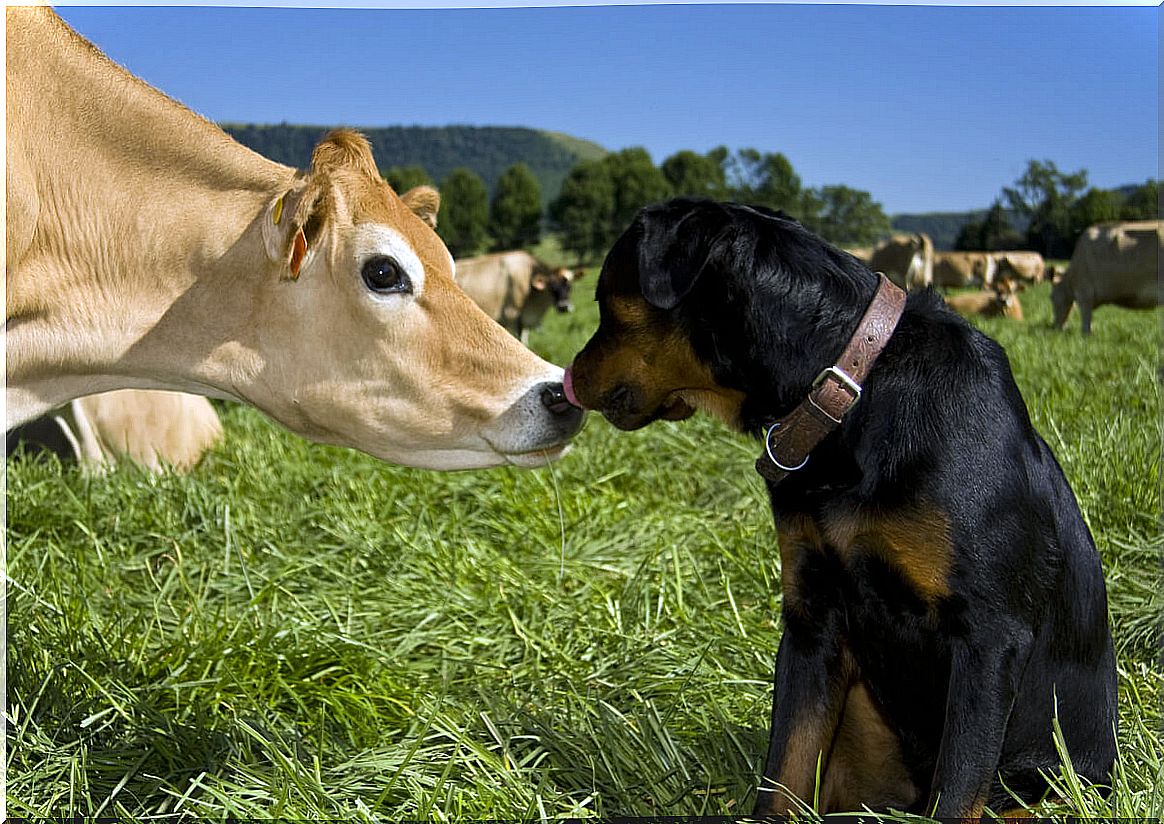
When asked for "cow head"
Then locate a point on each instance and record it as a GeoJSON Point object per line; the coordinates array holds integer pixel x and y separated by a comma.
{"type": "Point", "coordinates": [1006, 297]}
{"type": "Point", "coordinates": [366, 341]}
{"type": "Point", "coordinates": [558, 284]}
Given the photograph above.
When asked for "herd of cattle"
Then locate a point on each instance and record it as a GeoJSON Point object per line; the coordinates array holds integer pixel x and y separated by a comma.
{"type": "Point", "coordinates": [170, 257]}
{"type": "Point", "coordinates": [1113, 264]}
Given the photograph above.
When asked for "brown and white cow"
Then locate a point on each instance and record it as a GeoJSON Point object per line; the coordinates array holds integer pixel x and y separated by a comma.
{"type": "Point", "coordinates": [1113, 263]}
{"type": "Point", "coordinates": [516, 289]}
{"type": "Point", "coordinates": [146, 249]}
{"type": "Point", "coordinates": [953, 269]}
{"type": "Point", "coordinates": [154, 429]}
{"type": "Point", "coordinates": [906, 259]}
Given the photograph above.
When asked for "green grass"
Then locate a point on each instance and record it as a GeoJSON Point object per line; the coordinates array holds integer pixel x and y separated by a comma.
{"type": "Point", "coordinates": [299, 631]}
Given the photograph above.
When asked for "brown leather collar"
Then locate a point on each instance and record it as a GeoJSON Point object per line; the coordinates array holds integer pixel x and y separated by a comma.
{"type": "Point", "coordinates": [788, 441]}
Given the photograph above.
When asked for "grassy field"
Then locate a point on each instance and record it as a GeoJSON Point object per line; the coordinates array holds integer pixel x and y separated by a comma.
{"type": "Point", "coordinates": [299, 631]}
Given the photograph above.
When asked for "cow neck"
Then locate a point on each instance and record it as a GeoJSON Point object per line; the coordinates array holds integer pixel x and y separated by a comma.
{"type": "Point", "coordinates": [789, 441]}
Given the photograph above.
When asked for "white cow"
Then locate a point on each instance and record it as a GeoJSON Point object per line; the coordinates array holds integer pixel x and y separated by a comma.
{"type": "Point", "coordinates": [146, 249]}
{"type": "Point", "coordinates": [1113, 263]}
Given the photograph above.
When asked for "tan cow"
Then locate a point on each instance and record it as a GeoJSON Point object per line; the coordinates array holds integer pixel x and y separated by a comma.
{"type": "Point", "coordinates": [1020, 266]}
{"type": "Point", "coordinates": [953, 269]}
{"type": "Point", "coordinates": [1113, 263]}
{"type": "Point", "coordinates": [907, 260]}
{"type": "Point", "coordinates": [146, 249]}
{"type": "Point", "coordinates": [1001, 300]}
{"type": "Point", "coordinates": [516, 289]}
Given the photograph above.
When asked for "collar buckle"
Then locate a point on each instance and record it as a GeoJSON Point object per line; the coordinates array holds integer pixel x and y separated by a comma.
{"type": "Point", "coordinates": [847, 383]}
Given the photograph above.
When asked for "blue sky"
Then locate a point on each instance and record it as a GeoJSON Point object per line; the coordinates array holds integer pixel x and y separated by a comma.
{"type": "Point", "coordinates": [928, 108]}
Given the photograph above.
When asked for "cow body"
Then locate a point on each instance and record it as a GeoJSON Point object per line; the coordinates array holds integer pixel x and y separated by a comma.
{"type": "Point", "coordinates": [515, 288]}
{"type": "Point", "coordinates": [155, 430]}
{"type": "Point", "coordinates": [1020, 266]}
{"type": "Point", "coordinates": [907, 260]}
{"type": "Point", "coordinates": [146, 249]}
{"type": "Point", "coordinates": [1113, 263]}
{"type": "Point", "coordinates": [953, 269]}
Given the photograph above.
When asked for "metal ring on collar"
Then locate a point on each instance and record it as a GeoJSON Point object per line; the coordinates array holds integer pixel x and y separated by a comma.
{"type": "Point", "coordinates": [772, 458]}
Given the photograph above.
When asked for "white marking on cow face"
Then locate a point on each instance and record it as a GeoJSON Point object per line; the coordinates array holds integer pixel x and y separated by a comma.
{"type": "Point", "coordinates": [378, 251]}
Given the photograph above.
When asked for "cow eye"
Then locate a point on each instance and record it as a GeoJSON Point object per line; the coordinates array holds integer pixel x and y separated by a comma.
{"type": "Point", "coordinates": [383, 275]}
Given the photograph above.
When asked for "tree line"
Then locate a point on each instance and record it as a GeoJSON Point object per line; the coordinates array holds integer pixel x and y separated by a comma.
{"type": "Point", "coordinates": [599, 198]}
{"type": "Point", "coordinates": [1056, 208]}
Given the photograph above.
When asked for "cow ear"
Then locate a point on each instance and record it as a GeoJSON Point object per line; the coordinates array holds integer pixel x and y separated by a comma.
{"type": "Point", "coordinates": [290, 227]}
{"type": "Point", "coordinates": [674, 253]}
{"type": "Point", "coordinates": [539, 282]}
{"type": "Point", "coordinates": [579, 274]}
{"type": "Point", "coordinates": [425, 202]}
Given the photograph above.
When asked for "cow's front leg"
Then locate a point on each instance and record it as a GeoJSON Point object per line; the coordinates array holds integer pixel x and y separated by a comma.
{"type": "Point", "coordinates": [984, 678]}
{"type": "Point", "coordinates": [813, 671]}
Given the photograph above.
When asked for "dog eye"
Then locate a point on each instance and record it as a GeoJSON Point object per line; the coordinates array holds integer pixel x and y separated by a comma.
{"type": "Point", "coordinates": [383, 275]}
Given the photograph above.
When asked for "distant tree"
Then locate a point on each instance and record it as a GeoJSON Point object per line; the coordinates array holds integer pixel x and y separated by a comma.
{"type": "Point", "coordinates": [1096, 206]}
{"type": "Point", "coordinates": [846, 216]}
{"type": "Point", "coordinates": [516, 210]}
{"type": "Point", "coordinates": [403, 178]}
{"type": "Point", "coordinates": [1143, 203]}
{"type": "Point", "coordinates": [765, 180]}
{"type": "Point", "coordinates": [992, 233]}
{"type": "Point", "coordinates": [1045, 196]}
{"type": "Point", "coordinates": [583, 209]}
{"type": "Point", "coordinates": [695, 174]}
{"type": "Point", "coordinates": [636, 182]}
{"type": "Point", "coordinates": [464, 213]}
{"type": "Point", "coordinates": [969, 237]}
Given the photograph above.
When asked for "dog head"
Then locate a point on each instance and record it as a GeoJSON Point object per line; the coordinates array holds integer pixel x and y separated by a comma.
{"type": "Point", "coordinates": [713, 306]}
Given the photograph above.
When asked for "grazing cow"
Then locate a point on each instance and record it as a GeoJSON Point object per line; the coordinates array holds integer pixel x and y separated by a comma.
{"type": "Point", "coordinates": [1021, 266]}
{"type": "Point", "coordinates": [146, 249]}
{"type": "Point", "coordinates": [1000, 300]}
{"type": "Point", "coordinates": [963, 268]}
{"type": "Point", "coordinates": [1113, 263]}
{"type": "Point", "coordinates": [154, 429]}
{"type": "Point", "coordinates": [907, 260]}
{"type": "Point", "coordinates": [516, 289]}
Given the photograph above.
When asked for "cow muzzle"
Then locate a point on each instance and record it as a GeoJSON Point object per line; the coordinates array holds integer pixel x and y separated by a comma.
{"type": "Point", "coordinates": [537, 428]}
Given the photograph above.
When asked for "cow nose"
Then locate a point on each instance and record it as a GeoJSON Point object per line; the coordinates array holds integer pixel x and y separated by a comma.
{"type": "Point", "coordinates": [554, 399]}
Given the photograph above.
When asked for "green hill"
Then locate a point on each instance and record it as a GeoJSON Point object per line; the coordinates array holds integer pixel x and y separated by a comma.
{"type": "Point", "coordinates": [487, 150]}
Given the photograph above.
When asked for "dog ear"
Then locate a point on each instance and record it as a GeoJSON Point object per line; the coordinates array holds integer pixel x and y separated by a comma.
{"type": "Point", "coordinates": [674, 253]}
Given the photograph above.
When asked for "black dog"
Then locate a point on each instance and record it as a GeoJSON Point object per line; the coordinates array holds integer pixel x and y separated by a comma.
{"type": "Point", "coordinates": [942, 594]}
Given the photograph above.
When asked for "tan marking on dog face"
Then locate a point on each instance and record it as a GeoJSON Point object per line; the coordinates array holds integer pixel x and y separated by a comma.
{"type": "Point", "coordinates": [636, 347]}
{"type": "Point", "coordinates": [916, 542]}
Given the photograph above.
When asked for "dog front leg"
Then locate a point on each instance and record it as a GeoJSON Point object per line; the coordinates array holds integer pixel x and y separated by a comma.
{"type": "Point", "coordinates": [811, 681]}
{"type": "Point", "coordinates": [984, 679]}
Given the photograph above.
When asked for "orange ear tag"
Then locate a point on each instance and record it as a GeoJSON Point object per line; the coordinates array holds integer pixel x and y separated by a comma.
{"type": "Point", "coordinates": [298, 252]}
